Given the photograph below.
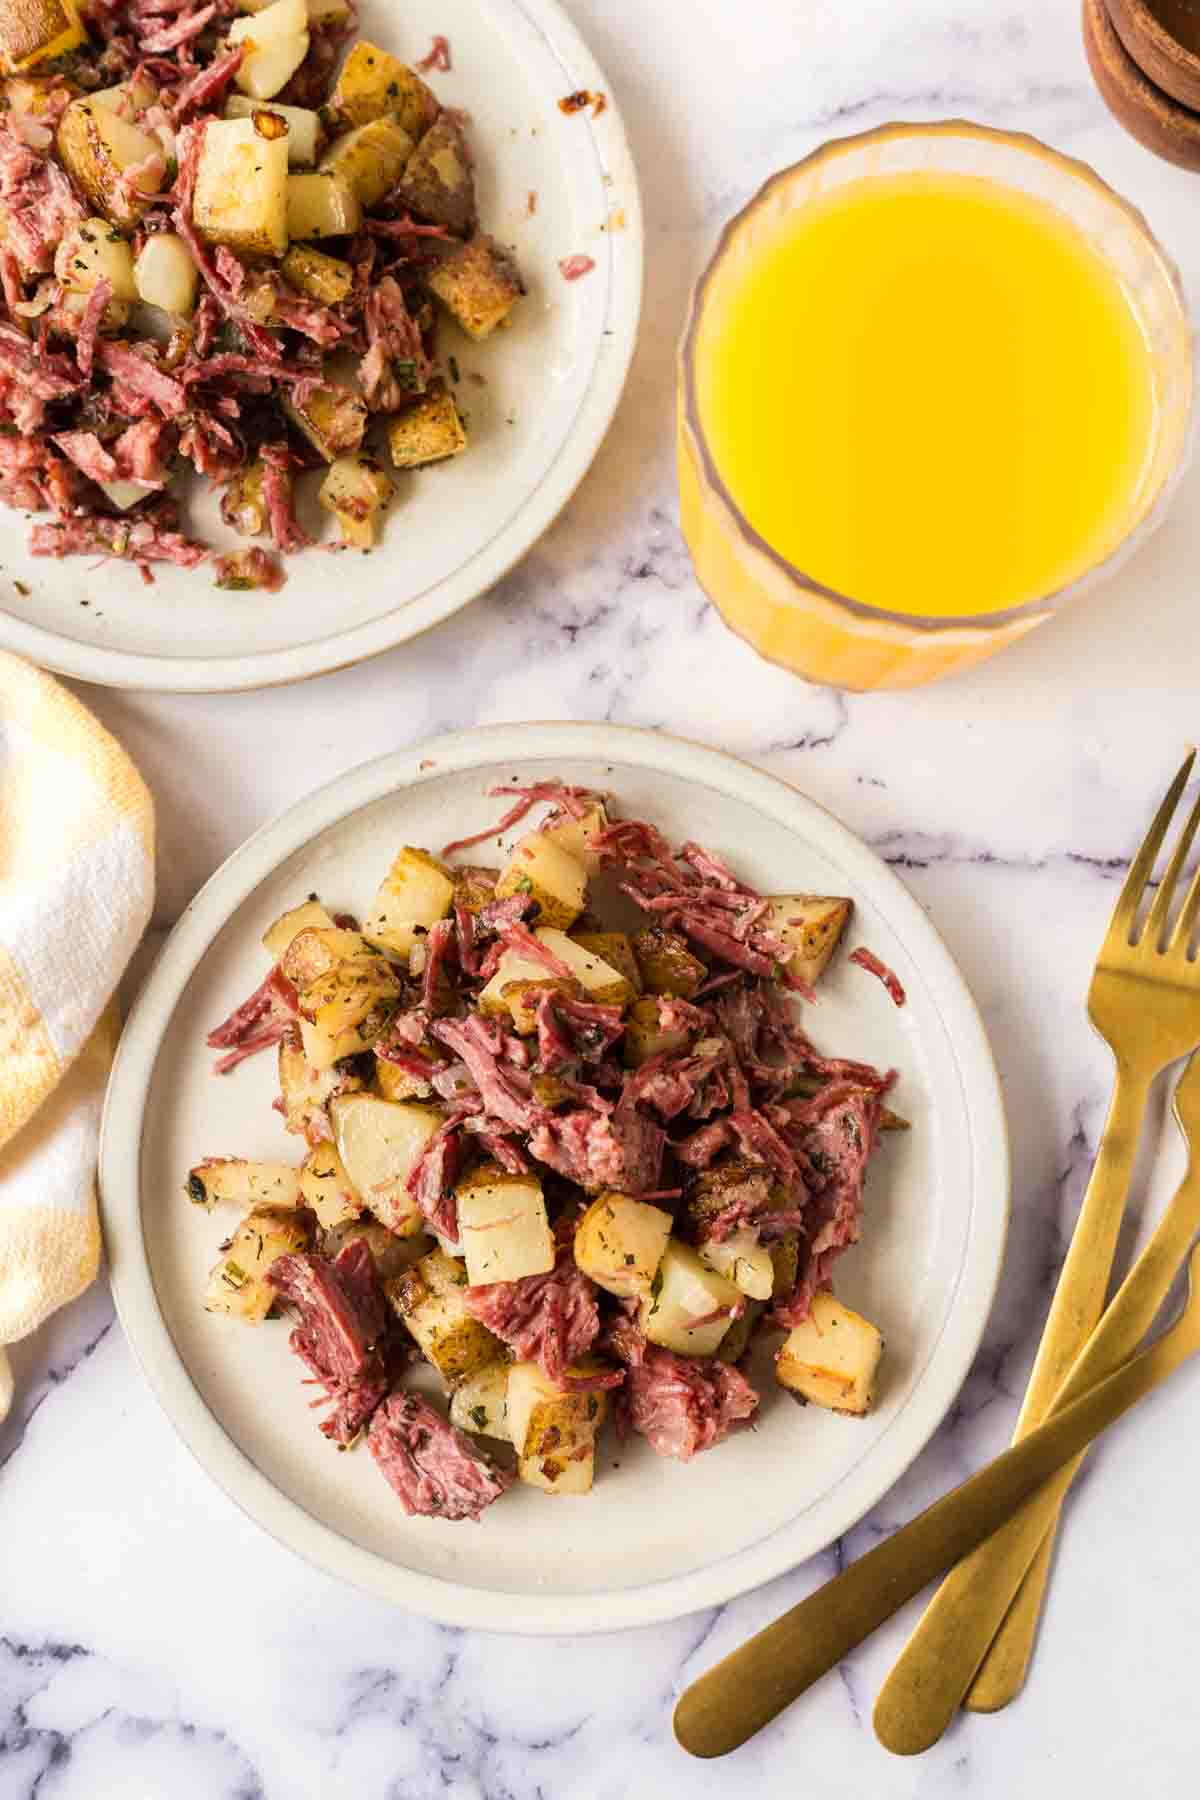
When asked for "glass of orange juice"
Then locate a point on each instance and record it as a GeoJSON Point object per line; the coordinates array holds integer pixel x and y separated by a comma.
{"type": "Point", "coordinates": [936, 379]}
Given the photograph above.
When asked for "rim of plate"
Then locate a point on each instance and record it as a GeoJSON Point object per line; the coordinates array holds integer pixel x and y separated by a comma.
{"type": "Point", "coordinates": [621, 265]}
{"type": "Point", "coordinates": [456, 1603]}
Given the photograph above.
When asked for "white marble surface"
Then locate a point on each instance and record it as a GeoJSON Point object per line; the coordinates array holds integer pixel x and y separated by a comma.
{"type": "Point", "coordinates": [152, 1643]}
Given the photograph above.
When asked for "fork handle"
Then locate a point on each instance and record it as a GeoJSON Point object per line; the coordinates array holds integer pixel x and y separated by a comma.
{"type": "Point", "coordinates": [753, 1684]}
{"type": "Point", "coordinates": [938, 1664]}
{"type": "Point", "coordinates": [1125, 1323]}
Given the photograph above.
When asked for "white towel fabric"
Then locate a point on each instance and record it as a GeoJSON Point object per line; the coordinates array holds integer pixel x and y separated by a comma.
{"type": "Point", "coordinates": [76, 892]}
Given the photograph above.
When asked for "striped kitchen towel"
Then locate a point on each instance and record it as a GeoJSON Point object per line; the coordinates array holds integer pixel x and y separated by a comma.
{"type": "Point", "coordinates": [76, 892]}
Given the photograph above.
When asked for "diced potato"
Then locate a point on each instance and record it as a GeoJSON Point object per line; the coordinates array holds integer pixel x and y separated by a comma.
{"type": "Point", "coordinates": [480, 1402]}
{"type": "Point", "coordinates": [332, 418]}
{"type": "Point", "coordinates": [736, 1342]}
{"type": "Point", "coordinates": [369, 159]}
{"type": "Point", "coordinates": [305, 1092]}
{"type": "Point", "coordinates": [785, 1261]}
{"type": "Point", "coordinates": [321, 206]}
{"type": "Point", "coordinates": [395, 1083]}
{"type": "Point", "coordinates": [98, 148]}
{"type": "Point", "coordinates": [517, 975]}
{"type": "Point", "coordinates": [646, 1036]}
{"type": "Point", "coordinates": [439, 181]}
{"type": "Point", "coordinates": [276, 43]}
{"type": "Point", "coordinates": [811, 924]}
{"type": "Point", "coordinates": [94, 251]}
{"type": "Point", "coordinates": [832, 1357]}
{"type": "Point", "coordinates": [321, 277]}
{"type": "Point", "coordinates": [744, 1261]}
{"type": "Point", "coordinates": [325, 1042]}
{"type": "Point", "coordinates": [391, 1255]}
{"type": "Point", "coordinates": [578, 836]}
{"type": "Point", "coordinates": [238, 1284]}
{"type": "Point", "coordinates": [503, 1225]}
{"type": "Point", "coordinates": [478, 284]}
{"type": "Point", "coordinates": [667, 964]}
{"type": "Point", "coordinates": [553, 1430]}
{"type": "Point", "coordinates": [327, 1189]}
{"type": "Point", "coordinates": [241, 185]}
{"type": "Point", "coordinates": [124, 494]}
{"type": "Point", "coordinates": [549, 876]}
{"type": "Point", "coordinates": [317, 950]}
{"type": "Point", "coordinates": [429, 1299]}
{"type": "Point", "coordinates": [620, 1242]}
{"type": "Point", "coordinates": [232, 1178]}
{"type": "Point", "coordinates": [129, 98]}
{"type": "Point", "coordinates": [310, 916]}
{"type": "Point", "coordinates": [615, 949]}
{"type": "Point", "coordinates": [380, 1142]}
{"type": "Point", "coordinates": [522, 999]}
{"type": "Point", "coordinates": [244, 503]}
{"type": "Point", "coordinates": [347, 1010]}
{"type": "Point", "coordinates": [34, 31]}
{"type": "Point", "coordinates": [373, 84]}
{"type": "Point", "coordinates": [304, 126]}
{"type": "Point", "coordinates": [429, 431]}
{"type": "Point", "coordinates": [166, 276]}
{"type": "Point", "coordinates": [417, 891]}
{"type": "Point", "coordinates": [358, 493]}
{"type": "Point", "coordinates": [688, 1308]}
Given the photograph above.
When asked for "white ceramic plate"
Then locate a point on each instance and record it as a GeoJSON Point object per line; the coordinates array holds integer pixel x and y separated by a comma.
{"type": "Point", "coordinates": [553, 382]}
{"type": "Point", "coordinates": [655, 1538]}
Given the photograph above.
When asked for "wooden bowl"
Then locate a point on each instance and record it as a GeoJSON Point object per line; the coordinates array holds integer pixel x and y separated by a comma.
{"type": "Point", "coordinates": [1163, 38]}
{"type": "Point", "coordinates": [1156, 120]}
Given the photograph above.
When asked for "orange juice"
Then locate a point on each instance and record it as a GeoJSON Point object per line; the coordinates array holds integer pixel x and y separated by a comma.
{"type": "Point", "coordinates": [929, 392]}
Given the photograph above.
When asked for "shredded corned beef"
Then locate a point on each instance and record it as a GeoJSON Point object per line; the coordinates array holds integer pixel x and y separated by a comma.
{"type": "Point", "coordinates": [740, 1125]}
{"type": "Point", "coordinates": [257, 1023]}
{"type": "Point", "coordinates": [437, 1471]}
{"type": "Point", "coordinates": [342, 1320]}
{"type": "Point", "coordinates": [680, 1404]}
{"type": "Point", "coordinates": [573, 267]}
{"type": "Point", "coordinates": [552, 1319]}
{"type": "Point", "coordinates": [867, 959]}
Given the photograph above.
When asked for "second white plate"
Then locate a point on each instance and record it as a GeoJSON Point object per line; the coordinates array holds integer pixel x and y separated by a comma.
{"type": "Point", "coordinates": [539, 396]}
{"type": "Point", "coordinates": [655, 1538]}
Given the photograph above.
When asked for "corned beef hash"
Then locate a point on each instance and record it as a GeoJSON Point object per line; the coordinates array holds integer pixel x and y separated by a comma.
{"type": "Point", "coordinates": [576, 1168]}
{"type": "Point", "coordinates": [223, 246]}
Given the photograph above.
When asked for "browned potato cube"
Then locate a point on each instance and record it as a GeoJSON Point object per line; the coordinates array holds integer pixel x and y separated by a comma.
{"type": "Point", "coordinates": [317, 950]}
{"type": "Point", "coordinates": [99, 148]}
{"type": "Point", "coordinates": [667, 965]}
{"type": "Point", "coordinates": [475, 886]}
{"type": "Point", "coordinates": [391, 1254]}
{"type": "Point", "coordinates": [438, 183]}
{"type": "Point", "coordinates": [395, 1083]}
{"type": "Point", "coordinates": [373, 84]}
{"type": "Point", "coordinates": [811, 926]}
{"type": "Point", "coordinates": [321, 277]}
{"type": "Point", "coordinates": [429, 1300]}
{"type": "Point", "coordinates": [369, 159]}
{"type": "Point", "coordinates": [832, 1357]}
{"type": "Point", "coordinates": [238, 1284]}
{"type": "Point", "coordinates": [332, 419]}
{"type": "Point", "coordinates": [646, 1036]}
{"type": "Point", "coordinates": [429, 432]}
{"type": "Point", "coordinates": [478, 283]}
{"type": "Point", "coordinates": [33, 31]}
{"type": "Point", "coordinates": [614, 948]}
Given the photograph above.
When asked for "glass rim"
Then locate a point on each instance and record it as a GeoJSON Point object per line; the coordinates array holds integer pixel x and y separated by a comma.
{"type": "Point", "coordinates": [1025, 142]}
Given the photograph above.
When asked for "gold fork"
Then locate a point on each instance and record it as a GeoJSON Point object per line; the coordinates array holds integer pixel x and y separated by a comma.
{"type": "Point", "coordinates": [1145, 1003]}
{"type": "Point", "coordinates": [746, 1691]}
